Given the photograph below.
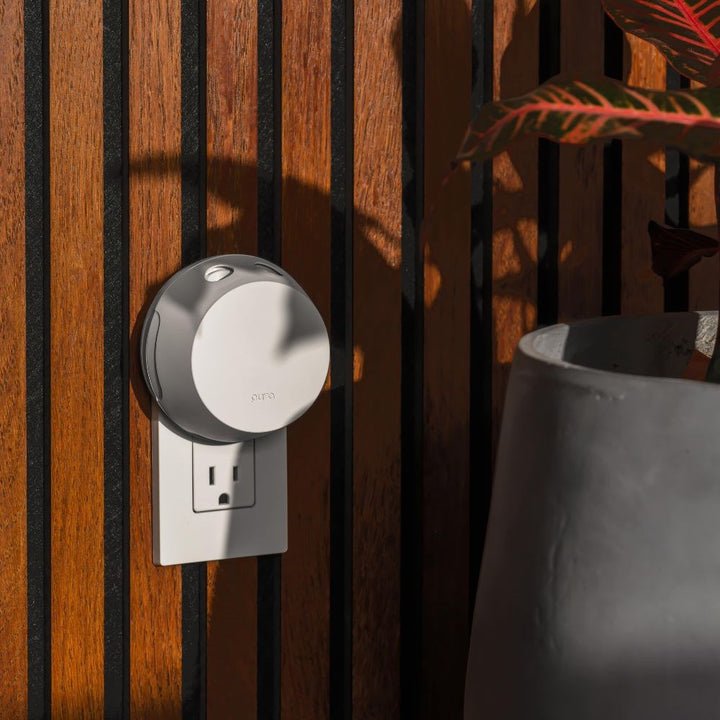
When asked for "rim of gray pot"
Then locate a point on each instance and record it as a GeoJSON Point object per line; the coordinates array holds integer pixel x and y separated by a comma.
{"type": "Point", "coordinates": [652, 349]}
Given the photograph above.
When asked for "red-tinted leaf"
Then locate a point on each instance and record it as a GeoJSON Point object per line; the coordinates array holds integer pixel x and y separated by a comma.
{"type": "Point", "coordinates": [675, 250]}
{"type": "Point", "coordinates": [687, 32]}
{"type": "Point", "coordinates": [576, 112]}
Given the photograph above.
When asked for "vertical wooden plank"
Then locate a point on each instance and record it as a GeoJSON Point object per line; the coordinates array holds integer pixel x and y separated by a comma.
{"type": "Point", "coordinates": [581, 174]}
{"type": "Point", "coordinates": [704, 285]}
{"type": "Point", "coordinates": [515, 231]}
{"type": "Point", "coordinates": [643, 191]}
{"type": "Point", "coordinates": [377, 373]}
{"type": "Point", "coordinates": [13, 446]}
{"type": "Point", "coordinates": [232, 228]}
{"type": "Point", "coordinates": [704, 277]}
{"type": "Point", "coordinates": [445, 596]}
{"type": "Point", "coordinates": [155, 253]}
{"type": "Point", "coordinates": [232, 104]}
{"type": "Point", "coordinates": [306, 255]}
{"type": "Point", "coordinates": [76, 347]}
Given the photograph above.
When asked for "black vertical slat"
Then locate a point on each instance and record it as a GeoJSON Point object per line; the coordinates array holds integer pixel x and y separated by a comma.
{"type": "Point", "coordinates": [481, 321]}
{"type": "Point", "coordinates": [116, 381]}
{"type": "Point", "coordinates": [268, 637]}
{"type": "Point", "coordinates": [269, 170]}
{"type": "Point", "coordinates": [548, 174]}
{"type": "Point", "coordinates": [677, 205]}
{"type": "Point", "coordinates": [612, 187]}
{"type": "Point", "coordinates": [37, 298]}
{"type": "Point", "coordinates": [341, 363]}
{"type": "Point", "coordinates": [413, 174]}
{"type": "Point", "coordinates": [269, 129]}
{"type": "Point", "coordinates": [192, 68]}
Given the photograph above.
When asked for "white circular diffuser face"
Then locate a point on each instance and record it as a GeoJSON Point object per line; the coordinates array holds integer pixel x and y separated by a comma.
{"type": "Point", "coordinates": [260, 356]}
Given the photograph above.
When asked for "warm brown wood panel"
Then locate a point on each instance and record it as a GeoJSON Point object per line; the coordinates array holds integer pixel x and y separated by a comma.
{"type": "Point", "coordinates": [377, 371]}
{"type": "Point", "coordinates": [306, 256]}
{"type": "Point", "coordinates": [155, 593]}
{"type": "Point", "coordinates": [514, 302]}
{"type": "Point", "coordinates": [232, 104]}
{"type": "Point", "coordinates": [704, 287]}
{"type": "Point", "coordinates": [76, 346]}
{"type": "Point", "coordinates": [232, 228]}
{"type": "Point", "coordinates": [580, 231]}
{"type": "Point", "coordinates": [643, 197]}
{"type": "Point", "coordinates": [13, 551]}
{"type": "Point", "coordinates": [445, 596]}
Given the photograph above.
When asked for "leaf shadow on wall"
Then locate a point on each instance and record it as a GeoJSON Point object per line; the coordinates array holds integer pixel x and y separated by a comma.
{"type": "Point", "coordinates": [515, 266]}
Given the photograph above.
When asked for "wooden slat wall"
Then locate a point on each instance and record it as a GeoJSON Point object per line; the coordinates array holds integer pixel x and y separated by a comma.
{"type": "Point", "coordinates": [445, 561]}
{"type": "Point", "coordinates": [13, 445]}
{"type": "Point", "coordinates": [232, 106]}
{"type": "Point", "coordinates": [703, 285]}
{"type": "Point", "coordinates": [76, 343]}
{"type": "Point", "coordinates": [377, 359]}
{"type": "Point", "coordinates": [154, 254]}
{"type": "Point", "coordinates": [306, 256]}
{"type": "Point", "coordinates": [643, 198]}
{"type": "Point", "coordinates": [514, 304]}
{"type": "Point", "coordinates": [392, 655]}
{"type": "Point", "coordinates": [580, 231]}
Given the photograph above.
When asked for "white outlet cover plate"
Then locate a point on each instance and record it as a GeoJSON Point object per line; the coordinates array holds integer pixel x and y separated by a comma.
{"type": "Point", "coordinates": [181, 535]}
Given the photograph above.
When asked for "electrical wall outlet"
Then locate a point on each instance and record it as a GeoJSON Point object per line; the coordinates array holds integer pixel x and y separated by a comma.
{"type": "Point", "coordinates": [223, 476]}
{"type": "Point", "coordinates": [183, 535]}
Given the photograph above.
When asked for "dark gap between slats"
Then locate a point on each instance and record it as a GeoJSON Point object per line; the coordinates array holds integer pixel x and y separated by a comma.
{"type": "Point", "coordinates": [192, 68]}
{"type": "Point", "coordinates": [341, 371]}
{"type": "Point", "coordinates": [612, 187]}
{"type": "Point", "coordinates": [37, 299]}
{"type": "Point", "coordinates": [481, 358]}
{"type": "Point", "coordinates": [677, 205]}
{"type": "Point", "coordinates": [270, 247]}
{"type": "Point", "coordinates": [116, 381]}
{"type": "Point", "coordinates": [548, 173]}
{"type": "Point", "coordinates": [413, 179]}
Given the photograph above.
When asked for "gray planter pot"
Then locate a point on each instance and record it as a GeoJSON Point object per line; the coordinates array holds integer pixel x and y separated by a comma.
{"type": "Point", "coordinates": [599, 595]}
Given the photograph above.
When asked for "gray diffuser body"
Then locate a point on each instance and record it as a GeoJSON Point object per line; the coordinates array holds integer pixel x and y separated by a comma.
{"type": "Point", "coordinates": [599, 594]}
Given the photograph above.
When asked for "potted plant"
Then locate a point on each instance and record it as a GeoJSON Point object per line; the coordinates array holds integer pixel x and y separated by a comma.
{"type": "Point", "coordinates": [599, 594]}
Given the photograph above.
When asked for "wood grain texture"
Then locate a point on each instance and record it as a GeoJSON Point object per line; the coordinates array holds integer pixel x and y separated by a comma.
{"type": "Point", "coordinates": [155, 253]}
{"type": "Point", "coordinates": [306, 256]}
{"type": "Point", "coordinates": [232, 105]}
{"type": "Point", "coordinates": [580, 231]}
{"type": "Point", "coordinates": [445, 561]}
{"type": "Point", "coordinates": [704, 278]}
{"type": "Point", "coordinates": [13, 447]}
{"type": "Point", "coordinates": [643, 191]}
{"type": "Point", "coordinates": [77, 367]}
{"type": "Point", "coordinates": [515, 230]}
{"type": "Point", "coordinates": [377, 371]}
{"type": "Point", "coordinates": [232, 228]}
{"type": "Point", "coordinates": [704, 284]}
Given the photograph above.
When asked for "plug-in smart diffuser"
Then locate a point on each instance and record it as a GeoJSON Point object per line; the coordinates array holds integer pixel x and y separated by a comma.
{"type": "Point", "coordinates": [233, 351]}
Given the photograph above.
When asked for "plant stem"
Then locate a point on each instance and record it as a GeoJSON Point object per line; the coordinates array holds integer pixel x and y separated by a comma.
{"type": "Point", "coordinates": [713, 372]}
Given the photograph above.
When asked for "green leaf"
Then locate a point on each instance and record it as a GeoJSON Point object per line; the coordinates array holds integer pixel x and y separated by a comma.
{"type": "Point", "coordinates": [576, 112]}
{"type": "Point", "coordinates": [687, 32]}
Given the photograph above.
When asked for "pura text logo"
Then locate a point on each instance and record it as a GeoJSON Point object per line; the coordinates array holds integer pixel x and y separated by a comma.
{"type": "Point", "coordinates": [258, 397]}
